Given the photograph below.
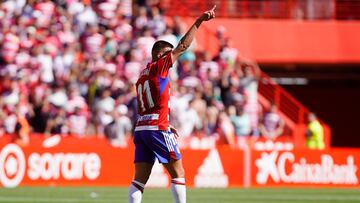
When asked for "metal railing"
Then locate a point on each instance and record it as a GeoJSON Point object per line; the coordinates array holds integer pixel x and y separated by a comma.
{"type": "Point", "coordinates": [286, 103]}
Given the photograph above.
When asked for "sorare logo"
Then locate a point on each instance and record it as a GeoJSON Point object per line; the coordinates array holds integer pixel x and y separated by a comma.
{"type": "Point", "coordinates": [12, 165]}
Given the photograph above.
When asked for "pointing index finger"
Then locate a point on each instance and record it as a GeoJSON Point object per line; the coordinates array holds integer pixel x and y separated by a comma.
{"type": "Point", "coordinates": [213, 8]}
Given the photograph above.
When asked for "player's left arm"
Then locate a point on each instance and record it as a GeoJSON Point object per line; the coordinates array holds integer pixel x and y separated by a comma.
{"type": "Point", "coordinates": [186, 41]}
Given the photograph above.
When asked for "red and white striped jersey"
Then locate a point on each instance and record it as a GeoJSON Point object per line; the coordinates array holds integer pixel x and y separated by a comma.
{"type": "Point", "coordinates": [94, 43]}
{"type": "Point", "coordinates": [10, 46]}
{"type": "Point", "coordinates": [46, 8]}
{"type": "Point", "coordinates": [45, 11]}
{"type": "Point", "coordinates": [106, 10]}
{"type": "Point", "coordinates": [153, 95]}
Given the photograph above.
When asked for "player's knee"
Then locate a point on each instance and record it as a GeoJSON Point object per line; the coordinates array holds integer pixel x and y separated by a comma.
{"type": "Point", "coordinates": [141, 178]}
{"type": "Point", "coordinates": [179, 172]}
{"type": "Point", "coordinates": [142, 174]}
{"type": "Point", "coordinates": [175, 169]}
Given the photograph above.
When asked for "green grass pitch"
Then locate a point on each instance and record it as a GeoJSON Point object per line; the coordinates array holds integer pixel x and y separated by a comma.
{"type": "Point", "coordinates": [119, 195]}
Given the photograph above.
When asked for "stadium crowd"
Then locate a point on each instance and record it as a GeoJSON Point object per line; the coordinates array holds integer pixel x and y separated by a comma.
{"type": "Point", "coordinates": [69, 67]}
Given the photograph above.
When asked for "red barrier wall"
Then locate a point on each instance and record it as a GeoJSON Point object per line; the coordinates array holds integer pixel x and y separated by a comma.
{"type": "Point", "coordinates": [66, 161]}
{"type": "Point", "coordinates": [287, 41]}
{"type": "Point", "coordinates": [70, 161]}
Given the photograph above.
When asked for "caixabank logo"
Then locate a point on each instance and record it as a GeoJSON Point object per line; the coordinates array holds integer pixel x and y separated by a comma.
{"type": "Point", "coordinates": [284, 167]}
{"type": "Point", "coordinates": [15, 166]}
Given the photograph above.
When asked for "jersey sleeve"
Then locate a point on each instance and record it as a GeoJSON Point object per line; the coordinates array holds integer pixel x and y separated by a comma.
{"type": "Point", "coordinates": [164, 64]}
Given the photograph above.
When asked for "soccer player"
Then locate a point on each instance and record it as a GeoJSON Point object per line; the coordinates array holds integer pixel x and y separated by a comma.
{"type": "Point", "coordinates": [154, 137]}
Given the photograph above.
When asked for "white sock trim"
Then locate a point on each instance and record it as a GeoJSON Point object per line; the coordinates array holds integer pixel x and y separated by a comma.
{"type": "Point", "coordinates": [178, 189]}
{"type": "Point", "coordinates": [178, 181]}
{"type": "Point", "coordinates": [138, 183]}
{"type": "Point", "coordinates": [135, 193]}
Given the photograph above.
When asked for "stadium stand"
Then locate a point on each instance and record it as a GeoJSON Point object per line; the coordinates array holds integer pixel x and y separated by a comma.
{"type": "Point", "coordinates": [69, 67]}
{"type": "Point", "coordinates": [68, 106]}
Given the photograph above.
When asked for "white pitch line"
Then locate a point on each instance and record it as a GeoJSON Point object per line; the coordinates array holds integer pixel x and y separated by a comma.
{"type": "Point", "coordinates": [289, 197]}
{"type": "Point", "coordinates": [309, 198]}
{"type": "Point", "coordinates": [27, 199]}
{"type": "Point", "coordinates": [285, 197]}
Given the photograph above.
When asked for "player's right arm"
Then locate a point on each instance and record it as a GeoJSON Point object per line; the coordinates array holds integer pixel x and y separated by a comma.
{"type": "Point", "coordinates": [187, 39]}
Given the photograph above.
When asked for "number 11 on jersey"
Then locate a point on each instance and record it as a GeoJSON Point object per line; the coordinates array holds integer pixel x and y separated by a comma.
{"type": "Point", "coordinates": [149, 99]}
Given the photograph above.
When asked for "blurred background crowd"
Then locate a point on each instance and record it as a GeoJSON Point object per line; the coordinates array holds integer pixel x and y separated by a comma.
{"type": "Point", "coordinates": [69, 66]}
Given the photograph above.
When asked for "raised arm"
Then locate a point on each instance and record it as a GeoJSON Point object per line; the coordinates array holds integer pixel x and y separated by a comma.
{"type": "Point", "coordinates": [187, 39]}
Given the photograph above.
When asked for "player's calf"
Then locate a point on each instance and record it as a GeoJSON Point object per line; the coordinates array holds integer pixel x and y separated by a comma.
{"type": "Point", "coordinates": [178, 186]}
{"type": "Point", "coordinates": [136, 189]}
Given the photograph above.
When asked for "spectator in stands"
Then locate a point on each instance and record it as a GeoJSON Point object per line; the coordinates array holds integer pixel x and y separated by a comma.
{"type": "Point", "coordinates": [93, 41]}
{"type": "Point", "coordinates": [133, 66]}
{"type": "Point", "coordinates": [142, 19]}
{"type": "Point", "coordinates": [119, 129]}
{"type": "Point", "coordinates": [271, 125]}
{"type": "Point", "coordinates": [199, 105]}
{"type": "Point", "coordinates": [228, 54]}
{"type": "Point", "coordinates": [22, 129]}
{"type": "Point", "coordinates": [225, 89]}
{"type": "Point", "coordinates": [208, 92]}
{"type": "Point", "coordinates": [157, 22]}
{"type": "Point", "coordinates": [212, 113]}
{"type": "Point", "coordinates": [67, 65]}
{"type": "Point", "coordinates": [242, 124]}
{"type": "Point", "coordinates": [10, 44]}
{"type": "Point", "coordinates": [104, 106]}
{"type": "Point", "coordinates": [225, 130]}
{"type": "Point", "coordinates": [221, 36]}
{"type": "Point", "coordinates": [249, 80]}
{"type": "Point", "coordinates": [77, 122]}
{"type": "Point", "coordinates": [189, 120]}
{"type": "Point", "coordinates": [57, 122]}
{"type": "Point", "coordinates": [110, 47]}
{"type": "Point", "coordinates": [208, 69]}
{"type": "Point", "coordinates": [144, 43]}
{"type": "Point", "coordinates": [45, 65]}
{"type": "Point", "coordinates": [314, 133]}
{"type": "Point", "coordinates": [240, 120]}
